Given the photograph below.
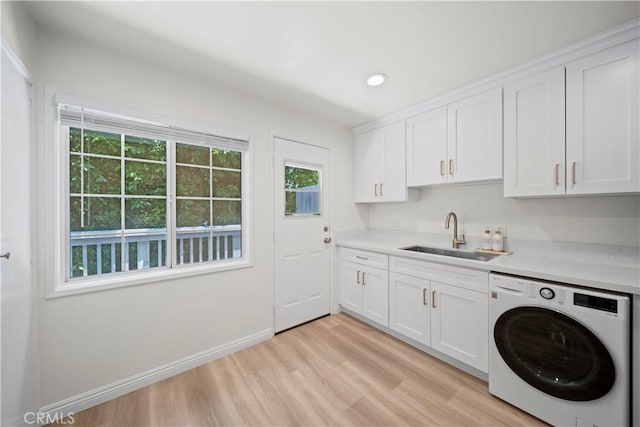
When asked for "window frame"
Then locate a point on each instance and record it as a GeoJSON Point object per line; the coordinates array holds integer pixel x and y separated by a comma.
{"type": "Point", "coordinates": [57, 192]}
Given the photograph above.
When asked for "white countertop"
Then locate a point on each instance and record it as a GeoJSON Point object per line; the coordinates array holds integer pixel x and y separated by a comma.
{"type": "Point", "coordinates": [596, 266]}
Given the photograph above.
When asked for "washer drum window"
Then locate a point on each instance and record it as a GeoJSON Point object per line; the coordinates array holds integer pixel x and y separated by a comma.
{"type": "Point", "coordinates": [554, 353]}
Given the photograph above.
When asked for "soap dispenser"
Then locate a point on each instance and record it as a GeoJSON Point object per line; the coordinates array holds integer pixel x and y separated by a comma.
{"type": "Point", "coordinates": [498, 241]}
{"type": "Point", "coordinates": [487, 242]}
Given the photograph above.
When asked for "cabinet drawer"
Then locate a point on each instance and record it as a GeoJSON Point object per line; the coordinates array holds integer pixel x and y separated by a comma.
{"type": "Point", "coordinates": [463, 277]}
{"type": "Point", "coordinates": [365, 258]}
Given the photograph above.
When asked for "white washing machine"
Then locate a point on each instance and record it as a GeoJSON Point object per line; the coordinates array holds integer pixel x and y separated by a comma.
{"type": "Point", "coordinates": [560, 353]}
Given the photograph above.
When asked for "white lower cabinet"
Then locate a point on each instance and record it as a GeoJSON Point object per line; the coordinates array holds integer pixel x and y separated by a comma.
{"type": "Point", "coordinates": [364, 288]}
{"type": "Point", "coordinates": [441, 306]}
{"type": "Point", "coordinates": [459, 324]}
{"type": "Point", "coordinates": [409, 307]}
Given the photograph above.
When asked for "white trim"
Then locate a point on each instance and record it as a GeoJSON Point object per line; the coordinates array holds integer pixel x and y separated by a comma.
{"type": "Point", "coordinates": [15, 60]}
{"type": "Point", "coordinates": [143, 277]}
{"type": "Point", "coordinates": [116, 389]}
{"type": "Point", "coordinates": [609, 38]}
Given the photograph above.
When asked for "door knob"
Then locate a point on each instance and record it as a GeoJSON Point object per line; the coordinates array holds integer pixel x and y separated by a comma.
{"type": "Point", "coordinates": [327, 239]}
{"type": "Point", "coordinates": [6, 255]}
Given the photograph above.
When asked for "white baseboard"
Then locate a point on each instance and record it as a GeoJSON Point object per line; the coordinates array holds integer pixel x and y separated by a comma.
{"type": "Point", "coordinates": [116, 389]}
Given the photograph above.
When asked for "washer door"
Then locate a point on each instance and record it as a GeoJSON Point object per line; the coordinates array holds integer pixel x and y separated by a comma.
{"type": "Point", "coordinates": [554, 353]}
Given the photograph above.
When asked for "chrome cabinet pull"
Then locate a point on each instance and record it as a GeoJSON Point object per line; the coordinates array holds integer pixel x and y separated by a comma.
{"type": "Point", "coordinates": [433, 299]}
{"type": "Point", "coordinates": [442, 167]}
{"type": "Point", "coordinates": [451, 167]}
{"type": "Point", "coordinates": [381, 189]}
{"type": "Point", "coordinates": [375, 189]}
{"type": "Point", "coordinates": [363, 284]}
{"type": "Point", "coordinates": [362, 257]}
{"type": "Point", "coordinates": [424, 297]}
{"type": "Point", "coordinates": [6, 255]}
{"type": "Point", "coordinates": [358, 279]}
{"type": "Point", "coordinates": [573, 173]}
{"type": "Point", "coordinates": [557, 175]}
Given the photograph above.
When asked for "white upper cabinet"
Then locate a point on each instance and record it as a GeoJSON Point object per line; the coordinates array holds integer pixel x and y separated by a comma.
{"type": "Point", "coordinates": [602, 122]}
{"type": "Point", "coordinates": [461, 142]}
{"type": "Point", "coordinates": [366, 154]}
{"type": "Point", "coordinates": [427, 148]}
{"type": "Point", "coordinates": [379, 165]}
{"type": "Point", "coordinates": [534, 162]}
{"type": "Point", "coordinates": [598, 109]}
{"type": "Point", "coordinates": [475, 138]}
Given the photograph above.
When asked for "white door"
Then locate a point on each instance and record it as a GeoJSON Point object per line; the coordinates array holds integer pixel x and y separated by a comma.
{"type": "Point", "coordinates": [459, 324]}
{"type": "Point", "coordinates": [375, 294]}
{"type": "Point", "coordinates": [475, 137]}
{"type": "Point", "coordinates": [534, 135]}
{"type": "Point", "coordinates": [301, 233]}
{"type": "Point", "coordinates": [427, 148]}
{"type": "Point", "coordinates": [409, 307]}
{"type": "Point", "coordinates": [19, 347]}
{"type": "Point", "coordinates": [602, 122]}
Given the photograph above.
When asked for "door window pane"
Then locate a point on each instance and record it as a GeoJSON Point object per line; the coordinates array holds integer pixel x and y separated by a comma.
{"type": "Point", "coordinates": [302, 191]}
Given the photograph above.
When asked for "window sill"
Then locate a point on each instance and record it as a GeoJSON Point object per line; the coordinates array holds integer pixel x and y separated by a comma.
{"type": "Point", "coordinates": [133, 278]}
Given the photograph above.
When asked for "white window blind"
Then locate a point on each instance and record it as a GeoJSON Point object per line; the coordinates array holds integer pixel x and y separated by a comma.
{"type": "Point", "coordinates": [81, 117]}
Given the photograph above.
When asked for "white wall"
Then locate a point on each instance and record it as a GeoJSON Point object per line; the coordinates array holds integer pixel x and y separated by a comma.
{"type": "Point", "coordinates": [590, 219]}
{"type": "Point", "coordinates": [19, 31]}
{"type": "Point", "coordinates": [94, 339]}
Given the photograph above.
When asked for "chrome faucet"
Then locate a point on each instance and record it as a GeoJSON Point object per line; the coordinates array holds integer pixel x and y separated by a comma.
{"type": "Point", "coordinates": [456, 242]}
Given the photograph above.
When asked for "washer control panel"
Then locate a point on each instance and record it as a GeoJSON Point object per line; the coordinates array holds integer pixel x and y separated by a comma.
{"type": "Point", "coordinates": [597, 303]}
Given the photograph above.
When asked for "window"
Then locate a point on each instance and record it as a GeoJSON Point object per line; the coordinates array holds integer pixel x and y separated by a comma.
{"type": "Point", "coordinates": [302, 190]}
{"type": "Point", "coordinates": [148, 196]}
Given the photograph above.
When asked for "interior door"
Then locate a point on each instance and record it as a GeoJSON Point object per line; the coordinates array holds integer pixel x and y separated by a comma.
{"type": "Point", "coordinates": [18, 320]}
{"type": "Point", "coordinates": [302, 233]}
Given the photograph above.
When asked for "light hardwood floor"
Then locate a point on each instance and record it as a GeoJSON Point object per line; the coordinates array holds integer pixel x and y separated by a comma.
{"type": "Point", "coordinates": [333, 371]}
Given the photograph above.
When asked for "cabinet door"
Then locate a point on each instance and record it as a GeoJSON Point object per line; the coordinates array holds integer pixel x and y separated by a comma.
{"type": "Point", "coordinates": [392, 169]}
{"type": "Point", "coordinates": [409, 307]}
{"type": "Point", "coordinates": [534, 161]}
{"type": "Point", "coordinates": [602, 122]}
{"type": "Point", "coordinates": [375, 294]}
{"type": "Point", "coordinates": [475, 138]}
{"type": "Point", "coordinates": [366, 157]}
{"type": "Point", "coordinates": [459, 324]}
{"type": "Point", "coordinates": [351, 286]}
{"type": "Point", "coordinates": [427, 148]}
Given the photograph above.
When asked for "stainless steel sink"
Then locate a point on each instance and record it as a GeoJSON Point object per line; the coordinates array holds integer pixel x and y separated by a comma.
{"type": "Point", "coordinates": [451, 252]}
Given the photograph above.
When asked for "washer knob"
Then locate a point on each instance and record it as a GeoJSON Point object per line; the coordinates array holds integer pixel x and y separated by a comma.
{"type": "Point", "coordinates": [547, 293]}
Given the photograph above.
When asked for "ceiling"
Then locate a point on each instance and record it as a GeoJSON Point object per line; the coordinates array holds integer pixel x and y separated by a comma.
{"type": "Point", "coordinates": [316, 56]}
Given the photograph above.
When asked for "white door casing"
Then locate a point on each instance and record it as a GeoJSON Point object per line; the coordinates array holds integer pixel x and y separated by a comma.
{"type": "Point", "coordinates": [19, 351]}
{"type": "Point", "coordinates": [302, 241]}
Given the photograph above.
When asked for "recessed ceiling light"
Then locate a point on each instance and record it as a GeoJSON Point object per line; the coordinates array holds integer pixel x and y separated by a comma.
{"type": "Point", "coordinates": [376, 79]}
